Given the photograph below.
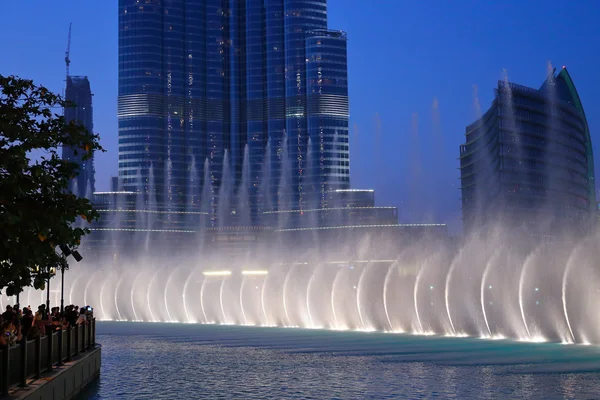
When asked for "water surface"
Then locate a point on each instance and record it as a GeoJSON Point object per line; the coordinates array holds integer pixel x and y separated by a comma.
{"type": "Point", "coordinates": [166, 361]}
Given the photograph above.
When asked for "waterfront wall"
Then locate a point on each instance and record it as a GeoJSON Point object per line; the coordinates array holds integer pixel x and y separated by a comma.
{"type": "Point", "coordinates": [52, 367]}
{"type": "Point", "coordinates": [64, 382]}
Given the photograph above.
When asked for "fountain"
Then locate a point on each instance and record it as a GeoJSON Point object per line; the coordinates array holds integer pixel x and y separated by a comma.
{"type": "Point", "coordinates": [243, 201]}
{"type": "Point", "coordinates": [223, 205]}
{"type": "Point", "coordinates": [312, 274]}
{"type": "Point", "coordinates": [490, 287]}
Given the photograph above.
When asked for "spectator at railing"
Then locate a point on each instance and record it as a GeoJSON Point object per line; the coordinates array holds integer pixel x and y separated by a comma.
{"type": "Point", "coordinates": [17, 316]}
{"type": "Point", "coordinates": [33, 333]}
{"type": "Point", "coordinates": [16, 323]}
{"type": "Point", "coordinates": [82, 319]}
{"type": "Point", "coordinates": [4, 333]}
{"type": "Point", "coordinates": [71, 315]}
{"type": "Point", "coordinates": [39, 320]}
{"type": "Point", "coordinates": [89, 313]}
{"type": "Point", "coordinates": [8, 314]}
{"type": "Point", "coordinates": [26, 322]}
{"type": "Point", "coordinates": [10, 333]}
{"type": "Point", "coordinates": [56, 319]}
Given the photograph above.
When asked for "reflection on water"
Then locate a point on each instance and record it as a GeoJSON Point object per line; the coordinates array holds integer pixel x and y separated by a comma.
{"type": "Point", "coordinates": [164, 361]}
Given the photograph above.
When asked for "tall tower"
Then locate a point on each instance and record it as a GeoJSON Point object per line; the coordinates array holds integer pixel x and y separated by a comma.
{"type": "Point", "coordinates": [79, 94]}
{"type": "Point", "coordinates": [211, 83]}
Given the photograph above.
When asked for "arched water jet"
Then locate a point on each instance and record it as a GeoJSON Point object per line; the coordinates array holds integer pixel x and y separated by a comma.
{"type": "Point", "coordinates": [170, 319]}
{"type": "Point", "coordinates": [580, 293]}
{"type": "Point", "coordinates": [285, 284]}
{"type": "Point", "coordinates": [104, 316]}
{"type": "Point", "coordinates": [185, 309]}
{"type": "Point", "coordinates": [564, 292]}
{"type": "Point", "coordinates": [262, 301]}
{"type": "Point", "coordinates": [463, 286]}
{"type": "Point", "coordinates": [385, 288]}
{"type": "Point", "coordinates": [206, 321]}
{"type": "Point", "coordinates": [73, 287]}
{"type": "Point", "coordinates": [333, 286]}
{"type": "Point", "coordinates": [482, 291]}
{"type": "Point", "coordinates": [416, 301]}
{"type": "Point", "coordinates": [221, 302]}
{"type": "Point", "coordinates": [242, 300]}
{"type": "Point", "coordinates": [120, 318]}
{"type": "Point", "coordinates": [430, 300]}
{"type": "Point", "coordinates": [521, 276]}
{"type": "Point", "coordinates": [541, 292]}
{"type": "Point", "coordinates": [184, 293]}
{"type": "Point", "coordinates": [446, 295]}
{"type": "Point", "coordinates": [87, 285]}
{"type": "Point", "coordinates": [310, 281]}
{"type": "Point", "coordinates": [152, 318]}
{"type": "Point", "coordinates": [358, 291]}
{"type": "Point", "coordinates": [135, 316]}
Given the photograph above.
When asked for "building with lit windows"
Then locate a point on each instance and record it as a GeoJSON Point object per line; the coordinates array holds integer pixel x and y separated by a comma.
{"type": "Point", "coordinates": [233, 131]}
{"type": "Point", "coordinates": [205, 85]}
{"type": "Point", "coordinates": [79, 94]}
{"type": "Point", "coordinates": [528, 162]}
{"type": "Point", "coordinates": [327, 116]}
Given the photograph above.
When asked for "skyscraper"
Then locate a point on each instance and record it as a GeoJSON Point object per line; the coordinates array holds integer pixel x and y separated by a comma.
{"type": "Point", "coordinates": [78, 92]}
{"type": "Point", "coordinates": [208, 83]}
{"type": "Point", "coordinates": [327, 115]}
{"type": "Point", "coordinates": [528, 161]}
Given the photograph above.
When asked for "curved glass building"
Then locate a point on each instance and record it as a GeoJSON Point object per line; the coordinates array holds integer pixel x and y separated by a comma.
{"type": "Point", "coordinates": [237, 88]}
{"type": "Point", "coordinates": [528, 162]}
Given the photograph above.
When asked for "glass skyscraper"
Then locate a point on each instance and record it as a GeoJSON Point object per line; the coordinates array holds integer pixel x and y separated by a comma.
{"type": "Point", "coordinates": [528, 162]}
{"type": "Point", "coordinates": [209, 83]}
{"type": "Point", "coordinates": [79, 93]}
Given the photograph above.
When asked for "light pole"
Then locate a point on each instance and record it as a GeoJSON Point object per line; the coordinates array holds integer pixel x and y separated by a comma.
{"type": "Point", "coordinates": [52, 270]}
{"type": "Point", "coordinates": [62, 290]}
{"type": "Point", "coordinates": [66, 252]}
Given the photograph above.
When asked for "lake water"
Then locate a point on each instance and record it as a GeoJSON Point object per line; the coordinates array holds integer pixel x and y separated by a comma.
{"type": "Point", "coordinates": [167, 361]}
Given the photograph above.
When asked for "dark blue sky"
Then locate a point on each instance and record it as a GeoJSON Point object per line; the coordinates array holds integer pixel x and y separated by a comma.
{"type": "Point", "coordinates": [402, 54]}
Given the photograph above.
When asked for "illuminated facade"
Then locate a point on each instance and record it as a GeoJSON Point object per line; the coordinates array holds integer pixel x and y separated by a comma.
{"type": "Point", "coordinates": [327, 110]}
{"type": "Point", "coordinates": [79, 93]}
{"type": "Point", "coordinates": [202, 80]}
{"type": "Point", "coordinates": [528, 161]}
{"type": "Point", "coordinates": [166, 81]}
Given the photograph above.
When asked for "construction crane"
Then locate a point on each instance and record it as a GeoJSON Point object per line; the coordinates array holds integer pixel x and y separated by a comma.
{"type": "Point", "coordinates": [68, 52]}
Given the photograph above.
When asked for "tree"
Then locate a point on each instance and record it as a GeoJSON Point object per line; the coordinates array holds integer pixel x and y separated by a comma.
{"type": "Point", "coordinates": [37, 212]}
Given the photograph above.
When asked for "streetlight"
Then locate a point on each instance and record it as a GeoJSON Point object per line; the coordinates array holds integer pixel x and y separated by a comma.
{"type": "Point", "coordinates": [66, 252]}
{"type": "Point", "coordinates": [52, 272]}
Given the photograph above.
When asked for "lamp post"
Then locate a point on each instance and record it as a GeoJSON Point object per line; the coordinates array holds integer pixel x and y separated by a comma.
{"type": "Point", "coordinates": [66, 252]}
{"type": "Point", "coordinates": [48, 290]}
{"type": "Point", "coordinates": [48, 295]}
{"type": "Point", "coordinates": [62, 290]}
{"type": "Point", "coordinates": [52, 270]}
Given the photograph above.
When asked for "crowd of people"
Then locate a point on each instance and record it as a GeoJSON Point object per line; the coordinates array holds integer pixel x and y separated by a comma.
{"type": "Point", "coordinates": [17, 323]}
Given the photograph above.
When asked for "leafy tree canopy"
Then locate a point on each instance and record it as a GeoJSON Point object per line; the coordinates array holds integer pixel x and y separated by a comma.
{"type": "Point", "coordinates": [37, 213]}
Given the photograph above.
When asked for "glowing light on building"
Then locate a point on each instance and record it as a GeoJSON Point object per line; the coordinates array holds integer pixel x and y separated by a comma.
{"type": "Point", "coordinates": [255, 273]}
{"type": "Point", "coordinates": [216, 273]}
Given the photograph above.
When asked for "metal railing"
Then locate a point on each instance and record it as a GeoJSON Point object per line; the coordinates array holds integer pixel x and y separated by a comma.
{"type": "Point", "coordinates": [30, 358]}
